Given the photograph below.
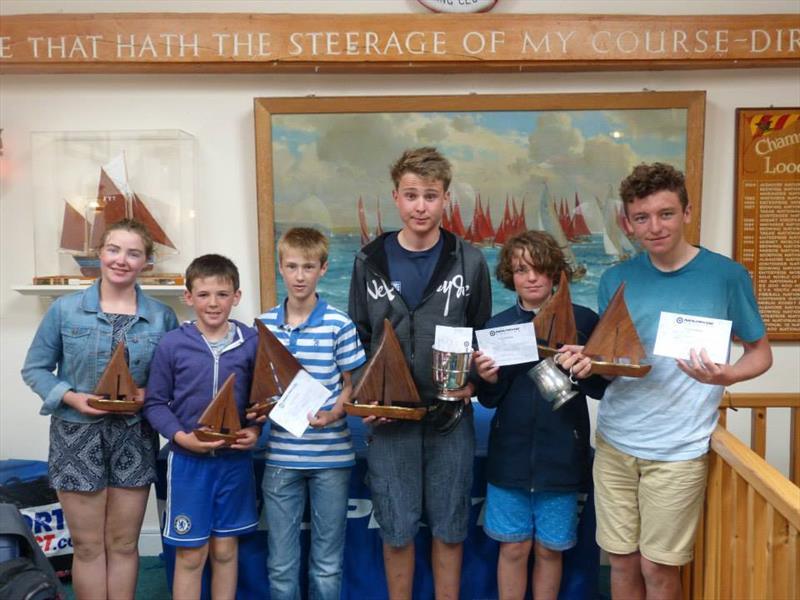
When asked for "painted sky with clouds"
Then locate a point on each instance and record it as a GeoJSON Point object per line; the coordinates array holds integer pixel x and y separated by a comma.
{"type": "Point", "coordinates": [322, 163]}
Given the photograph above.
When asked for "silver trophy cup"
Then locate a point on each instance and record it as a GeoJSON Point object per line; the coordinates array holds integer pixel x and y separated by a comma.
{"type": "Point", "coordinates": [554, 385]}
{"type": "Point", "coordinates": [450, 372]}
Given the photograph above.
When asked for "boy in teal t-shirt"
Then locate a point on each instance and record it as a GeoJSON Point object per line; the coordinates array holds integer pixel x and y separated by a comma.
{"type": "Point", "coordinates": [653, 433]}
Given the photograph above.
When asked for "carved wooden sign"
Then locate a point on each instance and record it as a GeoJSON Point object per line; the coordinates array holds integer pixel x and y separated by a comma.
{"type": "Point", "coordinates": [768, 212]}
{"type": "Point", "coordinates": [232, 42]}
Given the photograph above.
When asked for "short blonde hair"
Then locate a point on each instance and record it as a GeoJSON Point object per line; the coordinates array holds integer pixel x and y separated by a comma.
{"type": "Point", "coordinates": [311, 242]}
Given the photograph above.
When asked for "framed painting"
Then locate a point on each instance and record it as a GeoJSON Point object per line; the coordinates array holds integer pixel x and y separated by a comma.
{"type": "Point", "coordinates": [551, 162]}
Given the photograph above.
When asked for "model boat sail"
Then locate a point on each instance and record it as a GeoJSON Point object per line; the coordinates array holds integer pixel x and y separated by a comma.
{"type": "Point", "coordinates": [386, 388]}
{"type": "Point", "coordinates": [273, 372]}
{"type": "Point", "coordinates": [220, 419]}
{"type": "Point", "coordinates": [116, 386]}
{"type": "Point", "coordinates": [555, 322]}
{"type": "Point", "coordinates": [614, 346]}
{"type": "Point", "coordinates": [115, 201]}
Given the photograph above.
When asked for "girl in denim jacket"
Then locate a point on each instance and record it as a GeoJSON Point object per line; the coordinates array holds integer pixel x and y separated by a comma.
{"type": "Point", "coordinates": [100, 464]}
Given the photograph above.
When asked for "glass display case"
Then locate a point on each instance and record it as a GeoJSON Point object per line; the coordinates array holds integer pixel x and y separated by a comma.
{"type": "Point", "coordinates": [84, 181]}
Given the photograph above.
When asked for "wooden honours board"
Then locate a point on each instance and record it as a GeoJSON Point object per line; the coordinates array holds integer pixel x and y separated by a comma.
{"type": "Point", "coordinates": [768, 213]}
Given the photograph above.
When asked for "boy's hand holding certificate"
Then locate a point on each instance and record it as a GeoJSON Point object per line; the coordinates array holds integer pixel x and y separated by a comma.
{"type": "Point", "coordinates": [679, 334]}
{"type": "Point", "coordinates": [303, 396]}
{"type": "Point", "coordinates": [509, 345]}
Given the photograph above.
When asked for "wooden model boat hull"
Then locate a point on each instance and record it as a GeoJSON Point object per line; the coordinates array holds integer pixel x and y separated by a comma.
{"type": "Point", "coordinates": [214, 436]}
{"type": "Point", "coordinates": [619, 369]}
{"type": "Point", "coordinates": [115, 406]}
{"type": "Point", "coordinates": [262, 409]}
{"type": "Point", "coordinates": [546, 351]}
{"type": "Point", "coordinates": [404, 413]}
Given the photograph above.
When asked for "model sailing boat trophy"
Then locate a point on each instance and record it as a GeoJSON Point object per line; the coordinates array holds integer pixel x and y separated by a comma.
{"type": "Point", "coordinates": [220, 420]}
{"type": "Point", "coordinates": [386, 389]}
{"type": "Point", "coordinates": [273, 372]}
{"type": "Point", "coordinates": [555, 322]}
{"type": "Point", "coordinates": [555, 325]}
{"type": "Point", "coordinates": [614, 346]}
{"type": "Point", "coordinates": [116, 386]}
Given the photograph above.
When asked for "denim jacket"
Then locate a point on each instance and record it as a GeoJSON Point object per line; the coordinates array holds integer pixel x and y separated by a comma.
{"type": "Point", "coordinates": [74, 341]}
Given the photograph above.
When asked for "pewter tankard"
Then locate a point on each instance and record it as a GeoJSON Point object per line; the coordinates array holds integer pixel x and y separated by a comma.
{"type": "Point", "coordinates": [554, 385]}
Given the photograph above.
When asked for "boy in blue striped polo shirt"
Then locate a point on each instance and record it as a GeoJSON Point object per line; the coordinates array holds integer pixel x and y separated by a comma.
{"type": "Point", "coordinates": [325, 342]}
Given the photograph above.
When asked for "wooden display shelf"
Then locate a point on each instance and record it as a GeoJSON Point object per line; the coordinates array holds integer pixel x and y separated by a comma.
{"type": "Point", "coordinates": [60, 290]}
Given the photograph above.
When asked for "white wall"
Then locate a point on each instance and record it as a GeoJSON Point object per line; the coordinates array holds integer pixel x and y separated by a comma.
{"type": "Point", "coordinates": [218, 110]}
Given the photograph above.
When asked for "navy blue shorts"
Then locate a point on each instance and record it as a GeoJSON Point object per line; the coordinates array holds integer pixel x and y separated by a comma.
{"type": "Point", "coordinates": [209, 496]}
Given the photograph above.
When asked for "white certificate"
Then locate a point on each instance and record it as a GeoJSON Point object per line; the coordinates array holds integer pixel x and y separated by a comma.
{"type": "Point", "coordinates": [304, 395]}
{"type": "Point", "coordinates": [453, 339]}
{"type": "Point", "coordinates": [679, 334]}
{"type": "Point", "coordinates": [509, 345]}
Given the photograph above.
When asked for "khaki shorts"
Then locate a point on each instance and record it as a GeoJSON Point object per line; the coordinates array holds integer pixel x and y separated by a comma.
{"type": "Point", "coordinates": [648, 505]}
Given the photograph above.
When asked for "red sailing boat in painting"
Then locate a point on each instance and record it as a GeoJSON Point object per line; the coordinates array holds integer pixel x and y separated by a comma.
{"type": "Point", "coordinates": [81, 235]}
{"type": "Point", "coordinates": [578, 224]}
{"type": "Point", "coordinates": [362, 222]}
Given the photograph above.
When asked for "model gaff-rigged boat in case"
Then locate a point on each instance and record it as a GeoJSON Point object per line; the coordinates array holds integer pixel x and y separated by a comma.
{"type": "Point", "coordinates": [386, 389]}
{"type": "Point", "coordinates": [81, 234]}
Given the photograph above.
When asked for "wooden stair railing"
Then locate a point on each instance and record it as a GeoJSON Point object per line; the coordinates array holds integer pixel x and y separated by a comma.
{"type": "Point", "coordinates": [758, 405]}
{"type": "Point", "coordinates": [748, 546]}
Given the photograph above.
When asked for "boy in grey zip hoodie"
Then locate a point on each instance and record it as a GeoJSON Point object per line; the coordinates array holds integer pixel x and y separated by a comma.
{"type": "Point", "coordinates": [420, 277]}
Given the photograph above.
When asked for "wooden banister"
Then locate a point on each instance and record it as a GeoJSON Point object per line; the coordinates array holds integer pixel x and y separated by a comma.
{"type": "Point", "coordinates": [765, 479]}
{"type": "Point", "coordinates": [758, 403]}
{"type": "Point", "coordinates": [747, 543]}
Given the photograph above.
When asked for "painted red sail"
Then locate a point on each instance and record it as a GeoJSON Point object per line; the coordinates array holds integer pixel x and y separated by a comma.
{"type": "Point", "coordinates": [564, 220]}
{"type": "Point", "coordinates": [379, 226]}
{"type": "Point", "coordinates": [482, 227]}
{"type": "Point", "coordinates": [523, 226]}
{"type": "Point", "coordinates": [489, 218]}
{"type": "Point", "coordinates": [505, 231]}
{"type": "Point", "coordinates": [362, 222]}
{"type": "Point", "coordinates": [579, 226]}
{"type": "Point", "coordinates": [457, 222]}
{"type": "Point", "coordinates": [446, 219]}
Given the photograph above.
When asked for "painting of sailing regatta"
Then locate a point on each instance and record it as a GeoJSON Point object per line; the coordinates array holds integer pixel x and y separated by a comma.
{"type": "Point", "coordinates": [519, 162]}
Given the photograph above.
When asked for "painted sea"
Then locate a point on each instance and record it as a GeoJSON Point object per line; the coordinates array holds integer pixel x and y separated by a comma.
{"type": "Point", "coordinates": [334, 287]}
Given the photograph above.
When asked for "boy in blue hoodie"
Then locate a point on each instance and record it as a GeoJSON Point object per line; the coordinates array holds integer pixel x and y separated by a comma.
{"type": "Point", "coordinates": [211, 495]}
